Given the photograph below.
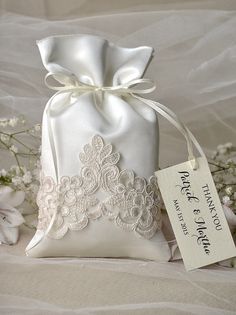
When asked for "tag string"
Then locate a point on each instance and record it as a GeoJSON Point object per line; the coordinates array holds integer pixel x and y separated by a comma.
{"type": "Point", "coordinates": [70, 84]}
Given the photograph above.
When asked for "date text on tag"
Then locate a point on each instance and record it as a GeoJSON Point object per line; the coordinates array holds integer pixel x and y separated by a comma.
{"type": "Point", "coordinates": [196, 214]}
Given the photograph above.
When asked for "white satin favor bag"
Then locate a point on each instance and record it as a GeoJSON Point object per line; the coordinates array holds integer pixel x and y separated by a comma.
{"type": "Point", "coordinates": [98, 195]}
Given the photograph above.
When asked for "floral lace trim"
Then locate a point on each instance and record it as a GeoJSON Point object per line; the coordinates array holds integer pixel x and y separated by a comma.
{"type": "Point", "coordinates": [101, 189]}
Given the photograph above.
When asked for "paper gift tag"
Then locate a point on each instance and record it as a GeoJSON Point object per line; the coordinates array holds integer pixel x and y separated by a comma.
{"type": "Point", "coordinates": [196, 214]}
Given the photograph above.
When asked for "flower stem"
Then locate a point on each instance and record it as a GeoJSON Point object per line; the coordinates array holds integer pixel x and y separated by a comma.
{"type": "Point", "coordinates": [18, 132]}
{"type": "Point", "coordinates": [2, 142]}
{"type": "Point", "coordinates": [17, 140]}
{"type": "Point", "coordinates": [223, 167]}
{"type": "Point", "coordinates": [18, 163]}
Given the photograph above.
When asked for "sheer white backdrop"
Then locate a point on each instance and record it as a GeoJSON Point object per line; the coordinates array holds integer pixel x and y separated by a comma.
{"type": "Point", "coordinates": [194, 67]}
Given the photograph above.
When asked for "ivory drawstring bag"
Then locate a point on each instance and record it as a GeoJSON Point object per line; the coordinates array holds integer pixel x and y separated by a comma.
{"type": "Point", "coordinates": [98, 195]}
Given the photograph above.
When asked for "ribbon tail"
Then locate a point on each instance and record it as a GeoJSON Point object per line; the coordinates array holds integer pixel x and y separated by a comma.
{"type": "Point", "coordinates": [174, 120]}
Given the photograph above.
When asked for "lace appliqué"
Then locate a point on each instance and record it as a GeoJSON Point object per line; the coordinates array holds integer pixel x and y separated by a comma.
{"type": "Point", "coordinates": [101, 189]}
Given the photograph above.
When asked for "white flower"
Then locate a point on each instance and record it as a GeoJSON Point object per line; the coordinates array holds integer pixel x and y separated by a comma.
{"type": "Point", "coordinates": [17, 180]}
{"type": "Point", "coordinates": [229, 190]}
{"type": "Point", "coordinates": [37, 127]}
{"type": "Point", "coordinates": [10, 217]}
{"type": "Point", "coordinates": [226, 201]}
{"type": "Point", "coordinates": [231, 219]}
{"type": "Point", "coordinates": [27, 177]}
{"type": "Point", "coordinates": [219, 186]}
{"type": "Point", "coordinates": [38, 164]}
{"type": "Point", "coordinates": [3, 172]}
{"type": "Point", "coordinates": [22, 119]}
{"type": "Point", "coordinates": [36, 173]}
{"type": "Point", "coordinates": [5, 138]}
{"type": "Point", "coordinates": [14, 149]}
{"type": "Point", "coordinates": [218, 178]}
{"type": "Point", "coordinates": [231, 170]}
{"type": "Point", "coordinates": [3, 122]}
{"type": "Point", "coordinates": [13, 121]}
{"type": "Point", "coordinates": [23, 169]}
{"type": "Point", "coordinates": [222, 150]}
{"type": "Point", "coordinates": [15, 169]}
{"type": "Point", "coordinates": [34, 188]}
{"type": "Point", "coordinates": [228, 145]}
{"type": "Point", "coordinates": [214, 154]}
{"type": "Point", "coordinates": [11, 197]}
{"type": "Point", "coordinates": [10, 220]}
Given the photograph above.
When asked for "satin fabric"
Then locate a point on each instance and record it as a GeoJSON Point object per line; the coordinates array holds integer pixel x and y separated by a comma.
{"type": "Point", "coordinates": [129, 125]}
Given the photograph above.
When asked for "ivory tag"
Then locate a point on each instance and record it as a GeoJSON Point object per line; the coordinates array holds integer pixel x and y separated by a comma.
{"type": "Point", "coordinates": [196, 214]}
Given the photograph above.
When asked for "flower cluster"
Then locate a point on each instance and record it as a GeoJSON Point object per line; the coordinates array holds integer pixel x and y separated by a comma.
{"type": "Point", "coordinates": [223, 168]}
{"type": "Point", "coordinates": [15, 134]}
{"type": "Point", "coordinates": [12, 122]}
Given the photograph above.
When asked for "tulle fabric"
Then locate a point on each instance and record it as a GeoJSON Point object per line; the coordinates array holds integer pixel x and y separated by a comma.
{"type": "Point", "coordinates": [195, 71]}
{"type": "Point", "coordinates": [194, 67]}
{"type": "Point", "coordinates": [110, 286]}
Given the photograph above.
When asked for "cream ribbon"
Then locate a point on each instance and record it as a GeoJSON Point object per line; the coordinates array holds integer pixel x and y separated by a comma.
{"type": "Point", "coordinates": [71, 84]}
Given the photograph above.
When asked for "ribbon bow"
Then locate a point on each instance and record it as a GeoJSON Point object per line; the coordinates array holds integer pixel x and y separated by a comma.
{"type": "Point", "coordinates": [71, 84]}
